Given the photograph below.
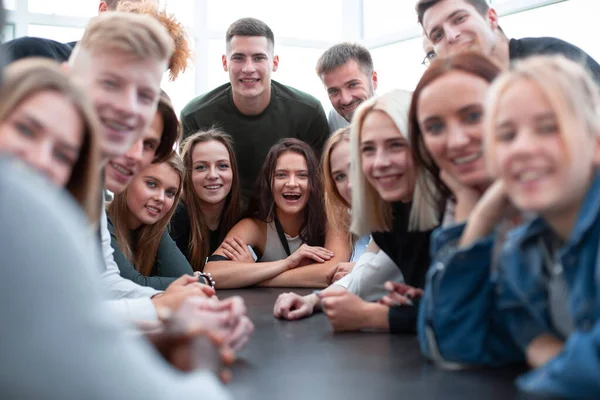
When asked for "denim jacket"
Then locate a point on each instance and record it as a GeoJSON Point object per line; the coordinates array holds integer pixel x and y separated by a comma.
{"type": "Point", "coordinates": [472, 314]}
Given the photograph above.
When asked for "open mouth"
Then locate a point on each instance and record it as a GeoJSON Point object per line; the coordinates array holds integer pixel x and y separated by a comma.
{"type": "Point", "coordinates": [530, 176]}
{"type": "Point", "coordinates": [292, 196]}
{"type": "Point", "coordinates": [467, 159]}
{"type": "Point", "coordinates": [121, 169]}
{"type": "Point", "coordinates": [154, 211]}
{"type": "Point", "coordinates": [249, 81]}
{"type": "Point", "coordinates": [213, 187]}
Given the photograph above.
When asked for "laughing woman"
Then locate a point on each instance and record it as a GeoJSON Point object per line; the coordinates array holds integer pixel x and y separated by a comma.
{"type": "Point", "coordinates": [287, 230]}
{"type": "Point", "coordinates": [138, 218]}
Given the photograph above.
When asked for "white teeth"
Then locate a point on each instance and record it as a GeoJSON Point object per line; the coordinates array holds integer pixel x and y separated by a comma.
{"type": "Point", "coordinates": [528, 176]}
{"type": "Point", "coordinates": [249, 80]}
{"type": "Point", "coordinates": [123, 170]}
{"type": "Point", "coordinates": [212, 187]}
{"type": "Point", "coordinates": [386, 179]}
{"type": "Point", "coordinates": [466, 159]}
{"type": "Point", "coordinates": [153, 209]}
{"type": "Point", "coordinates": [115, 125]}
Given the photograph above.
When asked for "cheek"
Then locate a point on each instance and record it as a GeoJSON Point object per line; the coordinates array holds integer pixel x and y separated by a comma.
{"type": "Point", "coordinates": [136, 197]}
{"type": "Point", "coordinates": [435, 145]}
{"type": "Point", "coordinates": [61, 175]}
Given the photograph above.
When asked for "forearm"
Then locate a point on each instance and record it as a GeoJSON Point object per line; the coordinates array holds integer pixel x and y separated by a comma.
{"type": "Point", "coordinates": [309, 276]}
{"type": "Point", "coordinates": [156, 282]}
{"type": "Point", "coordinates": [233, 274]}
{"type": "Point", "coordinates": [376, 317]}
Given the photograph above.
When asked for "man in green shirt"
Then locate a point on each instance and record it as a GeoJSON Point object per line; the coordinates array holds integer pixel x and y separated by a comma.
{"type": "Point", "coordinates": [255, 110]}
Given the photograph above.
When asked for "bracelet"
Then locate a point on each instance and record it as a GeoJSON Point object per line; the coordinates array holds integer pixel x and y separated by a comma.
{"type": "Point", "coordinates": [207, 278]}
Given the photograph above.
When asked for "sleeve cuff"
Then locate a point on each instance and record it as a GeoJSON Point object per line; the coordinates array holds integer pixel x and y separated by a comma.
{"type": "Point", "coordinates": [403, 319]}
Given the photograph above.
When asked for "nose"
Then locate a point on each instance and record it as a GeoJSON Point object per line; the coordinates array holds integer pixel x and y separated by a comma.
{"type": "Point", "coordinates": [248, 67]}
{"type": "Point", "coordinates": [452, 33]}
{"type": "Point", "coordinates": [212, 173]}
{"type": "Point", "coordinates": [136, 152]}
{"type": "Point", "coordinates": [346, 97]}
{"type": "Point", "coordinates": [126, 101]}
{"type": "Point", "coordinates": [381, 159]}
{"type": "Point", "coordinates": [40, 158]}
{"type": "Point", "coordinates": [524, 143]}
{"type": "Point", "coordinates": [292, 181]}
{"type": "Point", "coordinates": [159, 196]}
{"type": "Point", "coordinates": [457, 137]}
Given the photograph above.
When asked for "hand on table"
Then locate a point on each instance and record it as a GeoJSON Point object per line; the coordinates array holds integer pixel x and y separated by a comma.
{"type": "Point", "coordinates": [339, 271]}
{"type": "Point", "coordinates": [400, 294]}
{"type": "Point", "coordinates": [292, 306]}
{"type": "Point", "coordinates": [182, 288]}
{"type": "Point", "coordinates": [345, 311]}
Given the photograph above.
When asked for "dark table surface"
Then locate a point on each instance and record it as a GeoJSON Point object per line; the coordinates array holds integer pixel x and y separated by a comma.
{"type": "Point", "coordinates": [305, 360]}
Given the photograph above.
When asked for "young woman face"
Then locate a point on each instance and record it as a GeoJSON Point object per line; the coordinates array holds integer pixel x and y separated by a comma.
{"type": "Point", "coordinates": [450, 118]}
{"type": "Point", "coordinates": [211, 172]}
{"type": "Point", "coordinates": [151, 194]}
{"type": "Point", "coordinates": [386, 158]}
{"type": "Point", "coordinates": [540, 173]}
{"type": "Point", "coordinates": [290, 183]}
{"type": "Point", "coordinates": [46, 132]}
{"type": "Point", "coordinates": [340, 167]}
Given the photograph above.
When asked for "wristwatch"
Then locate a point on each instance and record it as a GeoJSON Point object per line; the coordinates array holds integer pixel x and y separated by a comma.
{"type": "Point", "coordinates": [208, 280]}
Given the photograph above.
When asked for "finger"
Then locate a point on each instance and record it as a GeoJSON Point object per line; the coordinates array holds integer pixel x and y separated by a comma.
{"type": "Point", "coordinates": [299, 313]}
{"type": "Point", "coordinates": [332, 273]}
{"type": "Point", "coordinates": [231, 249]}
{"type": "Point", "coordinates": [229, 255]}
{"type": "Point", "coordinates": [207, 290]}
{"type": "Point", "coordinates": [240, 335]}
{"type": "Point", "coordinates": [339, 276]}
{"type": "Point", "coordinates": [185, 280]}
{"type": "Point", "coordinates": [227, 355]}
{"type": "Point", "coordinates": [225, 376]}
{"type": "Point", "coordinates": [240, 242]}
{"type": "Point", "coordinates": [236, 245]}
{"type": "Point", "coordinates": [386, 301]}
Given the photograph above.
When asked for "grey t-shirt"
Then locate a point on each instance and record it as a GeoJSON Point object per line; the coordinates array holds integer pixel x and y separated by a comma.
{"type": "Point", "coordinates": [59, 340]}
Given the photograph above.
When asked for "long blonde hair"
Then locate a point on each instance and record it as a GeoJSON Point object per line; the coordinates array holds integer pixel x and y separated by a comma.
{"type": "Point", "coordinates": [370, 213]}
{"type": "Point", "coordinates": [27, 77]}
{"type": "Point", "coordinates": [337, 208]}
{"type": "Point", "coordinates": [142, 254]}
{"type": "Point", "coordinates": [199, 245]}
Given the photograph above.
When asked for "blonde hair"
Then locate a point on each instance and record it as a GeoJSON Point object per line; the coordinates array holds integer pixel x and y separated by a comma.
{"type": "Point", "coordinates": [569, 88]}
{"type": "Point", "coordinates": [337, 208]}
{"type": "Point", "coordinates": [27, 77]}
{"type": "Point", "coordinates": [142, 253]}
{"type": "Point", "coordinates": [199, 246]}
{"type": "Point", "coordinates": [182, 55]}
{"type": "Point", "coordinates": [370, 213]}
{"type": "Point", "coordinates": [133, 34]}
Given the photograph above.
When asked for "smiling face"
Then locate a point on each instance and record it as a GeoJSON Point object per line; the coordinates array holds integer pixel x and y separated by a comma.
{"type": "Point", "coordinates": [290, 183]}
{"type": "Point", "coordinates": [340, 168]}
{"type": "Point", "coordinates": [211, 172]}
{"type": "Point", "coordinates": [348, 86]}
{"type": "Point", "coordinates": [151, 194]}
{"type": "Point", "coordinates": [124, 90]}
{"type": "Point", "coordinates": [450, 112]}
{"type": "Point", "coordinates": [46, 132]}
{"type": "Point", "coordinates": [386, 158]}
{"type": "Point", "coordinates": [453, 26]}
{"type": "Point", "coordinates": [540, 173]}
{"type": "Point", "coordinates": [120, 171]}
{"type": "Point", "coordinates": [250, 62]}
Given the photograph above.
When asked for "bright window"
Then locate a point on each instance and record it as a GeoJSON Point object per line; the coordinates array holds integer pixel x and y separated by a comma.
{"type": "Point", "coordinates": [73, 8]}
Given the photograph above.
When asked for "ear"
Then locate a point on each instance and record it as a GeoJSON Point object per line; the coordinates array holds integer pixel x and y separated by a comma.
{"type": "Point", "coordinates": [492, 19]}
{"type": "Point", "coordinates": [374, 80]}
{"type": "Point", "coordinates": [102, 7]}
{"type": "Point", "coordinates": [224, 61]}
{"type": "Point", "coordinates": [275, 63]}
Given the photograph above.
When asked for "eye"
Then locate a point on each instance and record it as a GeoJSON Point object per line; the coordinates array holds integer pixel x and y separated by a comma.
{"type": "Point", "coordinates": [367, 148]}
{"type": "Point", "coordinates": [171, 193]}
{"type": "Point", "coordinates": [151, 184]}
{"type": "Point", "coordinates": [146, 98]}
{"type": "Point", "coordinates": [436, 36]}
{"type": "Point", "coordinates": [332, 92]}
{"type": "Point", "coordinates": [149, 145]}
{"type": "Point", "coordinates": [200, 168]}
{"type": "Point", "coordinates": [353, 84]}
{"type": "Point", "coordinates": [430, 55]}
{"type": "Point", "coordinates": [260, 58]}
{"type": "Point", "coordinates": [280, 175]}
{"type": "Point", "coordinates": [340, 177]}
{"type": "Point", "coordinates": [473, 117]}
{"type": "Point", "coordinates": [397, 144]}
{"type": "Point", "coordinates": [548, 128]}
{"type": "Point", "coordinates": [223, 166]}
{"type": "Point", "coordinates": [434, 128]}
{"type": "Point", "coordinates": [24, 129]}
{"type": "Point", "coordinates": [303, 175]}
{"type": "Point", "coordinates": [505, 135]}
{"type": "Point", "coordinates": [63, 158]}
{"type": "Point", "coordinates": [460, 18]}
{"type": "Point", "coordinates": [109, 84]}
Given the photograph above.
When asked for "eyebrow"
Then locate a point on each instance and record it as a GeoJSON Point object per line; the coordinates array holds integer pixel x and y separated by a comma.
{"type": "Point", "coordinates": [153, 178]}
{"type": "Point", "coordinates": [545, 116]}
{"type": "Point", "coordinates": [251, 55]}
{"type": "Point", "coordinates": [206, 162]}
{"type": "Point", "coordinates": [436, 27]}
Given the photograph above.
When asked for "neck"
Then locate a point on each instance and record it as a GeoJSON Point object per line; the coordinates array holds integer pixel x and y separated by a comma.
{"type": "Point", "coordinates": [212, 213]}
{"type": "Point", "coordinates": [252, 105]}
{"type": "Point", "coordinates": [501, 52]}
{"type": "Point", "coordinates": [290, 223]}
{"type": "Point", "coordinates": [563, 222]}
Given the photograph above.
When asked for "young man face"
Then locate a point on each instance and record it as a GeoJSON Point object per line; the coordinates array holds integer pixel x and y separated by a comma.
{"type": "Point", "coordinates": [453, 26]}
{"type": "Point", "coordinates": [250, 62]}
{"type": "Point", "coordinates": [348, 86]}
{"type": "Point", "coordinates": [125, 91]}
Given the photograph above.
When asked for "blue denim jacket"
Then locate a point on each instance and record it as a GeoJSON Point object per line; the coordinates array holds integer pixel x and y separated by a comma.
{"type": "Point", "coordinates": [473, 315]}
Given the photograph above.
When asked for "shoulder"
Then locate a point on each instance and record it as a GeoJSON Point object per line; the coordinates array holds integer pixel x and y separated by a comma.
{"type": "Point", "coordinates": [299, 98]}
{"type": "Point", "coordinates": [520, 48]}
{"type": "Point", "coordinates": [215, 97]}
{"type": "Point", "coordinates": [38, 47]}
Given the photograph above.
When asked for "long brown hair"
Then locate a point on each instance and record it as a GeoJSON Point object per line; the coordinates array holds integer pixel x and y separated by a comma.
{"type": "Point", "coordinates": [142, 253]}
{"type": "Point", "coordinates": [337, 208]}
{"type": "Point", "coordinates": [472, 63]}
{"type": "Point", "coordinates": [199, 245]}
{"type": "Point", "coordinates": [172, 129]}
{"type": "Point", "coordinates": [312, 230]}
{"type": "Point", "coordinates": [30, 76]}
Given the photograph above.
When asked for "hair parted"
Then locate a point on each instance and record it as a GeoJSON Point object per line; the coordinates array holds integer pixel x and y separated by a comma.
{"type": "Point", "coordinates": [370, 213]}
{"type": "Point", "coordinates": [433, 188]}
{"type": "Point", "coordinates": [422, 6]}
{"type": "Point", "coordinates": [199, 245]}
{"type": "Point", "coordinates": [30, 76]}
{"type": "Point", "coordinates": [132, 34]}
{"type": "Point", "coordinates": [569, 87]}
{"type": "Point", "coordinates": [249, 27]}
{"type": "Point", "coordinates": [340, 54]}
{"type": "Point", "coordinates": [182, 55]}
{"type": "Point", "coordinates": [142, 252]}
{"type": "Point", "coordinates": [312, 231]}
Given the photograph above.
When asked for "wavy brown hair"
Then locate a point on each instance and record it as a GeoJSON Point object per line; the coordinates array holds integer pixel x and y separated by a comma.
{"type": "Point", "coordinates": [142, 252]}
{"type": "Point", "coordinates": [312, 230]}
{"type": "Point", "coordinates": [199, 246]}
{"type": "Point", "coordinates": [472, 63]}
{"type": "Point", "coordinates": [27, 77]}
{"type": "Point", "coordinates": [337, 208]}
